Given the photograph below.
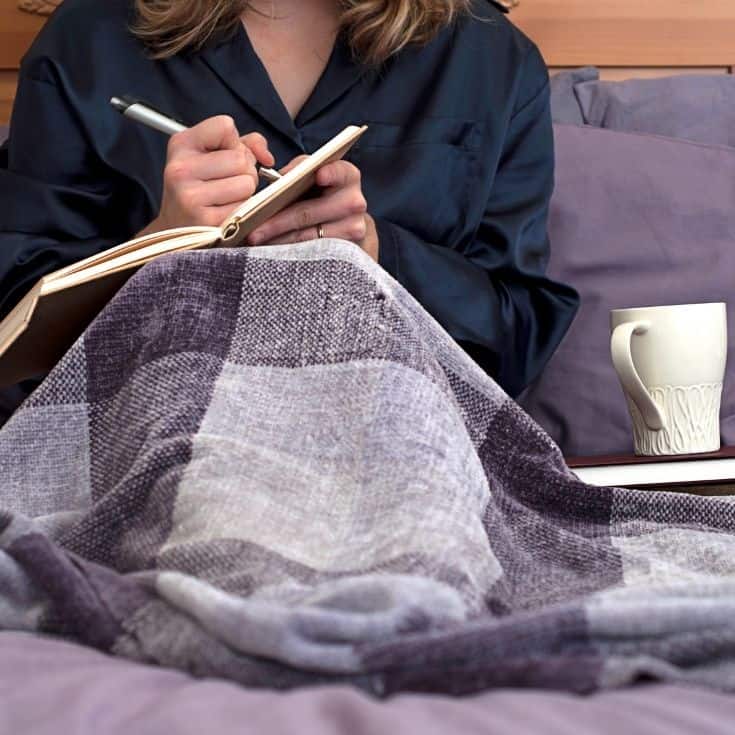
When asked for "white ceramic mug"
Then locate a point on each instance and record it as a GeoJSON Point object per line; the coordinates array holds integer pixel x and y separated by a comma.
{"type": "Point", "coordinates": [671, 364]}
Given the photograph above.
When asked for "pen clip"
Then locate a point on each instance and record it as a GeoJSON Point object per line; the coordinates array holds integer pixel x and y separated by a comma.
{"type": "Point", "coordinates": [130, 100]}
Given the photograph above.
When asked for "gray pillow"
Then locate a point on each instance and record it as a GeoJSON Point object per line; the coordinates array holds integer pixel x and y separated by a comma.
{"type": "Point", "coordinates": [698, 108]}
{"type": "Point", "coordinates": [564, 103]}
{"type": "Point", "coordinates": [635, 220]}
{"type": "Point", "coordinates": [3, 133]}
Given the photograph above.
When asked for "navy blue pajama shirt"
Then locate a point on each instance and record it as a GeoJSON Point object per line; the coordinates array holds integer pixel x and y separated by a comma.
{"type": "Point", "coordinates": [457, 162]}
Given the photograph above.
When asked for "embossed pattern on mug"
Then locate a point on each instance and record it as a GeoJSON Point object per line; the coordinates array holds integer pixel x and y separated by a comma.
{"type": "Point", "coordinates": [692, 420]}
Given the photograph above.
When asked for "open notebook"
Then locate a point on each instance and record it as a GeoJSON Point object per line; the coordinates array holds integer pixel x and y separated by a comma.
{"type": "Point", "coordinates": [44, 324]}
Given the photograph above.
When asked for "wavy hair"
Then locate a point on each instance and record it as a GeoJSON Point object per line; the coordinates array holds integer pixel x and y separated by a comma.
{"type": "Point", "coordinates": [374, 29]}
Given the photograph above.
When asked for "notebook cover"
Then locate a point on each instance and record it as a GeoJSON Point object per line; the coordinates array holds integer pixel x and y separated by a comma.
{"type": "Point", "coordinates": [57, 321]}
{"type": "Point", "coordinates": [262, 207]}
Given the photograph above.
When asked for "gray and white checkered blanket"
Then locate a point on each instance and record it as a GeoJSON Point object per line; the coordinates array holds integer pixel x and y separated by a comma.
{"type": "Point", "coordinates": [272, 465]}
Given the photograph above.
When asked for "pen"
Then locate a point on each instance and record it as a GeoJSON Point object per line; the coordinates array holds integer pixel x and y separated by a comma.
{"type": "Point", "coordinates": [136, 110]}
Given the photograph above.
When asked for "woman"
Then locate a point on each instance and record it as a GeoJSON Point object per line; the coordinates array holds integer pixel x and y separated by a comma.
{"type": "Point", "coordinates": [265, 462]}
{"type": "Point", "coordinates": [448, 190]}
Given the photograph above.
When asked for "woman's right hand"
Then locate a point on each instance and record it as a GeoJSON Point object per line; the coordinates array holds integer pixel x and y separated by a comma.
{"type": "Point", "coordinates": [210, 170]}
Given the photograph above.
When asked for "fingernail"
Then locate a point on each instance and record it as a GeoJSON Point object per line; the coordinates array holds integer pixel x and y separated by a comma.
{"type": "Point", "coordinates": [255, 239]}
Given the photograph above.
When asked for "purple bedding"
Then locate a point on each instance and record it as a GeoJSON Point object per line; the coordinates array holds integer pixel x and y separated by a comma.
{"type": "Point", "coordinates": [207, 482]}
{"type": "Point", "coordinates": [635, 220]}
{"type": "Point", "coordinates": [49, 686]}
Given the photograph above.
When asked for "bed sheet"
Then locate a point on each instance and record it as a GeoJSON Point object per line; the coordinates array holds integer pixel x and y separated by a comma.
{"type": "Point", "coordinates": [49, 686]}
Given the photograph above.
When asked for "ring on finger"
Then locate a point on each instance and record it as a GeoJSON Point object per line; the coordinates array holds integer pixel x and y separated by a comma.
{"type": "Point", "coordinates": [320, 231]}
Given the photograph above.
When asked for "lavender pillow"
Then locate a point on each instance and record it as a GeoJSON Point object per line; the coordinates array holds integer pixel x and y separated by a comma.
{"type": "Point", "coordinates": [698, 108]}
{"type": "Point", "coordinates": [636, 220]}
{"type": "Point", "coordinates": [564, 103]}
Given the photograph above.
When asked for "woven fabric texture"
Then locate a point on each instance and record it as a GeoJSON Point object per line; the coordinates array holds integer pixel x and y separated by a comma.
{"type": "Point", "coordinates": [271, 465]}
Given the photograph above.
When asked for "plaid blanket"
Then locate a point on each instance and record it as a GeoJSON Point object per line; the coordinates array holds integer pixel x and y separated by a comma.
{"type": "Point", "coordinates": [272, 465]}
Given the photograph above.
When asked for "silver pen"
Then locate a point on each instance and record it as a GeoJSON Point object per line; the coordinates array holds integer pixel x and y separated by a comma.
{"type": "Point", "coordinates": [142, 113]}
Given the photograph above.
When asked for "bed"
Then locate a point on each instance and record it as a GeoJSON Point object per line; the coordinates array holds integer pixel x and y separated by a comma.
{"type": "Point", "coordinates": [52, 685]}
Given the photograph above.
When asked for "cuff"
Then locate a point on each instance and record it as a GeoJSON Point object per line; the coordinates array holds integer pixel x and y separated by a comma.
{"type": "Point", "coordinates": [387, 246]}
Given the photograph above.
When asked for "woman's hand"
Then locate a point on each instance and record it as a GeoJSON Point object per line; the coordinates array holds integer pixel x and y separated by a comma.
{"type": "Point", "coordinates": [341, 211]}
{"type": "Point", "coordinates": [210, 170]}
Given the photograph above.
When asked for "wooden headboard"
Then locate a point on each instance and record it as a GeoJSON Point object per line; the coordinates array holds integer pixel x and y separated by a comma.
{"type": "Point", "coordinates": [17, 30]}
{"type": "Point", "coordinates": [633, 38]}
{"type": "Point", "coordinates": [624, 37]}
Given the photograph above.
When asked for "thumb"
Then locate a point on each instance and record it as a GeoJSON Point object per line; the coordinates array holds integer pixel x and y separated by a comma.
{"type": "Point", "coordinates": [259, 147]}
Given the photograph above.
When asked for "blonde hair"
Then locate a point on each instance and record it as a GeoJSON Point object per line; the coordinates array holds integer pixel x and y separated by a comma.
{"type": "Point", "coordinates": [374, 29]}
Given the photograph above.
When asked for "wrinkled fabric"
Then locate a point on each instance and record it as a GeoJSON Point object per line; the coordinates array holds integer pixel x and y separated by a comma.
{"type": "Point", "coordinates": [457, 162]}
{"type": "Point", "coordinates": [565, 107]}
{"type": "Point", "coordinates": [271, 465]}
{"type": "Point", "coordinates": [696, 107]}
{"type": "Point", "coordinates": [86, 693]}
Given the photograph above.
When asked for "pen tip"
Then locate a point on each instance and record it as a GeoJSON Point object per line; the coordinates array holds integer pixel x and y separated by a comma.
{"type": "Point", "coordinates": [119, 104]}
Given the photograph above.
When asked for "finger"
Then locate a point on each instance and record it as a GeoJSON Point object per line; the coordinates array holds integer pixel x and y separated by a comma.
{"type": "Point", "coordinates": [259, 147]}
{"type": "Point", "coordinates": [353, 228]}
{"type": "Point", "coordinates": [214, 165]}
{"type": "Point", "coordinates": [309, 213]}
{"type": "Point", "coordinates": [212, 134]}
{"type": "Point", "coordinates": [292, 164]}
{"type": "Point", "coordinates": [214, 216]}
{"type": "Point", "coordinates": [232, 190]}
{"type": "Point", "coordinates": [291, 237]}
{"type": "Point", "coordinates": [338, 174]}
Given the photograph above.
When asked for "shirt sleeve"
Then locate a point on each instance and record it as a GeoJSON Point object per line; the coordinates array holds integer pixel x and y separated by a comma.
{"type": "Point", "coordinates": [60, 203]}
{"type": "Point", "coordinates": [491, 294]}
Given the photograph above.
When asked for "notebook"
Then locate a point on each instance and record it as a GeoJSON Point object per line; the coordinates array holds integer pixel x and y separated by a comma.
{"type": "Point", "coordinates": [713, 472]}
{"type": "Point", "coordinates": [47, 320]}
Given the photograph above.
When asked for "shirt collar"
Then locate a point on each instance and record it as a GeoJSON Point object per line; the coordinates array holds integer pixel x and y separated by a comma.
{"type": "Point", "coordinates": [236, 63]}
{"type": "Point", "coordinates": [340, 75]}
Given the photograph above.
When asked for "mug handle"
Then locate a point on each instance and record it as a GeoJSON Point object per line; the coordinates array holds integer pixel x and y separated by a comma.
{"type": "Point", "coordinates": [632, 384]}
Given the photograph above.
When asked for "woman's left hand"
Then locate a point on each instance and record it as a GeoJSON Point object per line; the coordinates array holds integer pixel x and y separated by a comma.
{"type": "Point", "coordinates": [341, 211]}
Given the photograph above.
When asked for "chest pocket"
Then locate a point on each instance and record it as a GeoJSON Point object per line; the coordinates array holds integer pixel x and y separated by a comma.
{"type": "Point", "coordinates": [420, 176]}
